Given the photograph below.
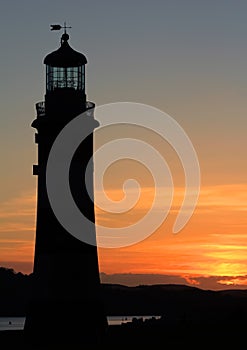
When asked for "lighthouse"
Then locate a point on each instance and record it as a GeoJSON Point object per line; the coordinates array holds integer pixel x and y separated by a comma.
{"type": "Point", "coordinates": [65, 302]}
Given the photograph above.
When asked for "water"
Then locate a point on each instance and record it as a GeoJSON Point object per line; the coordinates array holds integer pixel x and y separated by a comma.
{"type": "Point", "coordinates": [115, 320]}
{"type": "Point", "coordinates": [11, 323]}
{"type": "Point", "coordinates": [17, 323]}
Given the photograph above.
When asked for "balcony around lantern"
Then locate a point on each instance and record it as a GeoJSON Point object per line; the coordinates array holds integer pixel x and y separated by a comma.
{"type": "Point", "coordinates": [90, 105]}
{"type": "Point", "coordinates": [90, 109]}
{"type": "Point", "coordinates": [40, 108]}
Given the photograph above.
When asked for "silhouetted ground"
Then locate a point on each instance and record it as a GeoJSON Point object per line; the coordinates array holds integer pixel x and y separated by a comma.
{"type": "Point", "coordinates": [197, 335]}
{"type": "Point", "coordinates": [192, 318]}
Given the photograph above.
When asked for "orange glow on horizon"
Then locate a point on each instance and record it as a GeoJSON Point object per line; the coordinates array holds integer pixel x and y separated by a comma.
{"type": "Point", "coordinates": [213, 243]}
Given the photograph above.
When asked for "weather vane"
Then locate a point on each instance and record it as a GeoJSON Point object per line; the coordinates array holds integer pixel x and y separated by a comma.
{"type": "Point", "coordinates": [58, 27]}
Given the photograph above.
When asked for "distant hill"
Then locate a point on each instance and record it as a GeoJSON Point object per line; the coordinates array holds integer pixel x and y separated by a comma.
{"type": "Point", "coordinates": [173, 301]}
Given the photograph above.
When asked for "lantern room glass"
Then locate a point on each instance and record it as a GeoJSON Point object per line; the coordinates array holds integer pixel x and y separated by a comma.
{"type": "Point", "coordinates": [65, 77]}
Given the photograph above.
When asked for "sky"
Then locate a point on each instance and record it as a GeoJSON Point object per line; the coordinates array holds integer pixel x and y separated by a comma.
{"type": "Point", "coordinates": [186, 58]}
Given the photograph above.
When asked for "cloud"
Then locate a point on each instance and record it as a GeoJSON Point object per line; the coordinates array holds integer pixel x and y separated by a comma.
{"type": "Point", "coordinates": [191, 280]}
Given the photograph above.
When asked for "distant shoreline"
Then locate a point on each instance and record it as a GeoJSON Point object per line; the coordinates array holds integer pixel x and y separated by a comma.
{"type": "Point", "coordinates": [16, 323]}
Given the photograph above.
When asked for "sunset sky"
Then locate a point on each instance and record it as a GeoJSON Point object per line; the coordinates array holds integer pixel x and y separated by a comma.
{"type": "Point", "coordinates": [187, 58]}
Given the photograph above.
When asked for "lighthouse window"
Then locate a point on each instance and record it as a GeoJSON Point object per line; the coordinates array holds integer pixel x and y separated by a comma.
{"type": "Point", "coordinates": [81, 77]}
{"type": "Point", "coordinates": [71, 77]}
{"type": "Point", "coordinates": [65, 77]}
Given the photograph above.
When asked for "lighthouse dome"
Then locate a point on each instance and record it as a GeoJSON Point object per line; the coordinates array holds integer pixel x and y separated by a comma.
{"type": "Point", "coordinates": [65, 56]}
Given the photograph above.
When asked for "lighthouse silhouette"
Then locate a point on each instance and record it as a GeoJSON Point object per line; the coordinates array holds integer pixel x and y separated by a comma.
{"type": "Point", "coordinates": [65, 303]}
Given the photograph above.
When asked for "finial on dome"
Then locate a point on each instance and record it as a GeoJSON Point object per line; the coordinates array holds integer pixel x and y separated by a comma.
{"type": "Point", "coordinates": [65, 36]}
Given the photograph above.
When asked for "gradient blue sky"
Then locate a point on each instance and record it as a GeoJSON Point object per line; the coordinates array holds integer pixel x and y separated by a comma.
{"type": "Point", "coordinates": [185, 57]}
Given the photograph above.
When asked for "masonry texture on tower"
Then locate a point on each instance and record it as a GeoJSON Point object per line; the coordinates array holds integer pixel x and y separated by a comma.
{"type": "Point", "coordinates": [65, 303]}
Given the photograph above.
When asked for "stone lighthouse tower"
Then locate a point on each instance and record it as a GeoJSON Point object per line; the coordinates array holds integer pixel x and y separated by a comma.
{"type": "Point", "coordinates": [65, 304]}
